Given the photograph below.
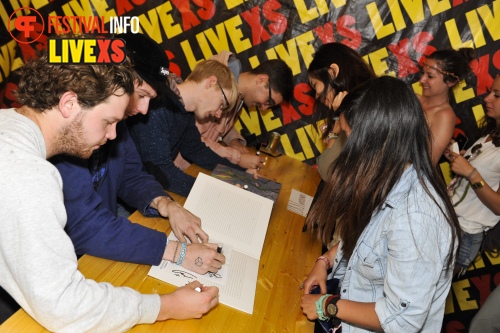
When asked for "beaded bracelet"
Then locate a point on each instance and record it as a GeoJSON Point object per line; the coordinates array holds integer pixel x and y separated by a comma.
{"type": "Point", "coordinates": [326, 260]}
{"type": "Point", "coordinates": [183, 254]}
{"type": "Point", "coordinates": [175, 252]}
{"type": "Point", "coordinates": [471, 173]}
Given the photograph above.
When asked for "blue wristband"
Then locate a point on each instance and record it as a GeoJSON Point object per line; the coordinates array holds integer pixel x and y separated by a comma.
{"type": "Point", "coordinates": [182, 255]}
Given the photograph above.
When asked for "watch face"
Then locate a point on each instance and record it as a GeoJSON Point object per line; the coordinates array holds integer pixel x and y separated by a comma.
{"type": "Point", "coordinates": [331, 310]}
{"type": "Point", "coordinates": [478, 185]}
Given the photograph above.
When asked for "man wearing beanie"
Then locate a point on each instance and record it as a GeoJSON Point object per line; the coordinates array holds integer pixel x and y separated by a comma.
{"type": "Point", "coordinates": [169, 127]}
{"type": "Point", "coordinates": [92, 186]}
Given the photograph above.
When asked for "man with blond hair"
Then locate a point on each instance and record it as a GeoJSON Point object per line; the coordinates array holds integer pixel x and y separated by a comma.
{"type": "Point", "coordinates": [169, 127]}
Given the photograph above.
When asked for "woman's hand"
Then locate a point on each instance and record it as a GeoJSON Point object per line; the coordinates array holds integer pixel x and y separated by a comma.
{"type": "Point", "coordinates": [308, 306]}
{"type": "Point", "coordinates": [459, 164]}
{"type": "Point", "coordinates": [338, 100]}
{"type": "Point", "coordinates": [317, 277]}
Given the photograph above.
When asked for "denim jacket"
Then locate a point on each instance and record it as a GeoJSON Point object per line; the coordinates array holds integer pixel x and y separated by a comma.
{"type": "Point", "coordinates": [399, 261]}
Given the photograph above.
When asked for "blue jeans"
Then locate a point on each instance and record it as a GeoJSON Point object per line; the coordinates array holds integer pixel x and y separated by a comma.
{"type": "Point", "coordinates": [469, 248]}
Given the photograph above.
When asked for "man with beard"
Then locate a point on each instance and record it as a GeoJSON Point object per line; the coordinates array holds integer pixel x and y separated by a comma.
{"type": "Point", "coordinates": [92, 186]}
{"type": "Point", "coordinates": [67, 109]}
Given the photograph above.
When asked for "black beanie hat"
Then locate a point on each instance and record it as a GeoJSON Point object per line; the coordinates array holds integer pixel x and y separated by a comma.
{"type": "Point", "coordinates": [149, 61]}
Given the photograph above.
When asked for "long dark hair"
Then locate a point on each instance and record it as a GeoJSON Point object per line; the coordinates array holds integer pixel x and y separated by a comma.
{"type": "Point", "coordinates": [454, 64]}
{"type": "Point", "coordinates": [489, 126]}
{"type": "Point", "coordinates": [353, 70]}
{"type": "Point", "coordinates": [389, 131]}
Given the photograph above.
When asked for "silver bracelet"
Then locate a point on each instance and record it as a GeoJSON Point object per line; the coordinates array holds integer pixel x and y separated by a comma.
{"type": "Point", "coordinates": [471, 173]}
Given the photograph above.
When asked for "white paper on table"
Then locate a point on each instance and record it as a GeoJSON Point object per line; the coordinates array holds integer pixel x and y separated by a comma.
{"type": "Point", "coordinates": [299, 202]}
{"type": "Point", "coordinates": [238, 219]}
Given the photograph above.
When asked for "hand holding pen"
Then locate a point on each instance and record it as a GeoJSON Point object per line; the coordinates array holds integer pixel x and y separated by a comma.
{"type": "Point", "coordinates": [203, 258]}
{"type": "Point", "coordinates": [187, 302]}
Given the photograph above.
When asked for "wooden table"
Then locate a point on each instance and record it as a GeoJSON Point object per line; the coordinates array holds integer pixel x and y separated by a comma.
{"type": "Point", "coordinates": [287, 257]}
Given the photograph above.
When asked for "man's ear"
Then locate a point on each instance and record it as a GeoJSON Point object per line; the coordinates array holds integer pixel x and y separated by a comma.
{"type": "Point", "coordinates": [210, 81]}
{"type": "Point", "coordinates": [68, 104]}
{"type": "Point", "coordinates": [262, 78]}
{"type": "Point", "coordinates": [336, 70]}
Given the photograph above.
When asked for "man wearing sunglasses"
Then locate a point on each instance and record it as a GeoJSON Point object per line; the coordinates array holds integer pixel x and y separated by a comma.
{"type": "Point", "coordinates": [263, 87]}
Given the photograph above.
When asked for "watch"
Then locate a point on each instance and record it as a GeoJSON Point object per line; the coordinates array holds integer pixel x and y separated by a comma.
{"type": "Point", "coordinates": [478, 185]}
{"type": "Point", "coordinates": [331, 306]}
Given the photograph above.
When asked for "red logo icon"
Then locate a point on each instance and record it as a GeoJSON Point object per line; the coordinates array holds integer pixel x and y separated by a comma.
{"type": "Point", "coordinates": [30, 28]}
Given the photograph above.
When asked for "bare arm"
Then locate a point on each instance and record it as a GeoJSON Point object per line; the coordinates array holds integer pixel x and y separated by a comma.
{"type": "Point", "coordinates": [318, 275]}
{"type": "Point", "coordinates": [442, 125]}
{"type": "Point", "coordinates": [360, 314]}
{"type": "Point", "coordinates": [489, 197]}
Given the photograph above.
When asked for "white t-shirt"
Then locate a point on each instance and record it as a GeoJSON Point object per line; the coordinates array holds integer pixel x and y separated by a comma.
{"type": "Point", "coordinates": [473, 215]}
{"type": "Point", "coordinates": [38, 265]}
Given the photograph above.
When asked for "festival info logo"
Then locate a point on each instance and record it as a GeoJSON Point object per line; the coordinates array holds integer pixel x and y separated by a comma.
{"type": "Point", "coordinates": [27, 28]}
{"type": "Point", "coordinates": [89, 50]}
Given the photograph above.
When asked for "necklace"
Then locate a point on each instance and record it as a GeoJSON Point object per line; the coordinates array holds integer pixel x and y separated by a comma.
{"type": "Point", "coordinates": [434, 106]}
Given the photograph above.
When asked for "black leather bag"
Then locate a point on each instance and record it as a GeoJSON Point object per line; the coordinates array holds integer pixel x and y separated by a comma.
{"type": "Point", "coordinates": [491, 241]}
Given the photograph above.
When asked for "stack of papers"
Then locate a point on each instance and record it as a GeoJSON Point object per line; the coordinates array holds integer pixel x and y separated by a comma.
{"type": "Point", "coordinates": [299, 202]}
{"type": "Point", "coordinates": [237, 219]}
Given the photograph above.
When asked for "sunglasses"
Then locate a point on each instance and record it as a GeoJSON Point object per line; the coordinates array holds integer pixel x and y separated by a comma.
{"type": "Point", "coordinates": [475, 151]}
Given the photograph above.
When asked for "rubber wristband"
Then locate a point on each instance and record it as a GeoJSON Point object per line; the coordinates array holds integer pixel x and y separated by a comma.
{"type": "Point", "coordinates": [175, 252]}
{"type": "Point", "coordinates": [320, 309]}
{"type": "Point", "coordinates": [182, 255]}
